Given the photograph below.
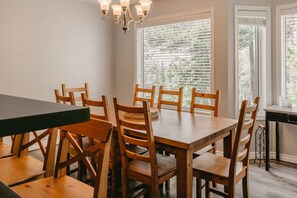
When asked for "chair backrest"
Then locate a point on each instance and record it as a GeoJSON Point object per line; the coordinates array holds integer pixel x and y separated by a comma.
{"type": "Point", "coordinates": [246, 122]}
{"type": "Point", "coordinates": [103, 104]}
{"type": "Point", "coordinates": [75, 90]}
{"type": "Point", "coordinates": [64, 99]}
{"type": "Point", "coordinates": [100, 130]}
{"type": "Point", "coordinates": [127, 127]}
{"type": "Point", "coordinates": [178, 94]}
{"type": "Point", "coordinates": [150, 92]}
{"type": "Point", "coordinates": [205, 96]}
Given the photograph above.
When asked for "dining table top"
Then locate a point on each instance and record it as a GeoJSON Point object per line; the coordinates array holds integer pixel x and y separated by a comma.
{"type": "Point", "coordinates": [188, 130]}
{"type": "Point", "coordinates": [19, 115]}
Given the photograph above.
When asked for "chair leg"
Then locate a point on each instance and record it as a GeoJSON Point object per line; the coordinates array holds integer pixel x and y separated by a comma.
{"type": "Point", "coordinates": [125, 186]}
{"type": "Point", "coordinates": [68, 167]}
{"type": "Point", "coordinates": [155, 191]}
{"type": "Point", "coordinates": [232, 191]}
{"type": "Point", "coordinates": [112, 173]}
{"type": "Point", "coordinates": [198, 188]}
{"type": "Point", "coordinates": [207, 193]}
{"type": "Point", "coordinates": [167, 183]}
{"type": "Point", "coordinates": [245, 187]}
{"type": "Point", "coordinates": [214, 150]}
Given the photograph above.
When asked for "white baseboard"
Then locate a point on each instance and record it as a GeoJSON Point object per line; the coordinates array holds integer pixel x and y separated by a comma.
{"type": "Point", "coordinates": [283, 157]}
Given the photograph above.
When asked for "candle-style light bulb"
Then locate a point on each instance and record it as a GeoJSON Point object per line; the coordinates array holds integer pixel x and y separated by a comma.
{"type": "Point", "coordinates": [139, 11]}
{"type": "Point", "coordinates": [125, 3]}
{"type": "Point", "coordinates": [117, 10]}
{"type": "Point", "coordinates": [104, 5]}
{"type": "Point", "coordinates": [145, 4]}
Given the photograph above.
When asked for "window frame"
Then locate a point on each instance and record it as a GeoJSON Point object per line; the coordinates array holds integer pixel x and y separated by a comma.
{"type": "Point", "coordinates": [266, 70]}
{"type": "Point", "coordinates": [287, 8]}
{"type": "Point", "coordinates": [176, 18]}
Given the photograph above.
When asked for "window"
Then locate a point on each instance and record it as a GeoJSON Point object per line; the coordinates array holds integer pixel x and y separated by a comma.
{"type": "Point", "coordinates": [252, 55]}
{"type": "Point", "coordinates": [287, 20]}
{"type": "Point", "coordinates": [176, 52]}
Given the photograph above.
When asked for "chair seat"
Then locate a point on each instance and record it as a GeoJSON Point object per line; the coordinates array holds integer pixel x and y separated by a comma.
{"type": "Point", "coordinates": [214, 165]}
{"type": "Point", "coordinates": [66, 187]}
{"type": "Point", "coordinates": [165, 166]}
{"type": "Point", "coordinates": [22, 169]}
{"type": "Point", "coordinates": [5, 150]}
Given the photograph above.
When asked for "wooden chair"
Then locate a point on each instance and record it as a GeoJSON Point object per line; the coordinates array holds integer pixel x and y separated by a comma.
{"type": "Point", "coordinates": [208, 107]}
{"type": "Point", "coordinates": [62, 185]}
{"type": "Point", "coordinates": [178, 104]}
{"type": "Point", "coordinates": [103, 106]}
{"type": "Point", "coordinates": [64, 99]}
{"type": "Point", "coordinates": [97, 104]}
{"type": "Point", "coordinates": [71, 151]}
{"type": "Point", "coordinates": [5, 149]}
{"type": "Point", "coordinates": [229, 172]}
{"type": "Point", "coordinates": [178, 94]}
{"type": "Point", "coordinates": [21, 167]}
{"type": "Point", "coordinates": [78, 90]}
{"type": "Point", "coordinates": [150, 92]}
{"type": "Point", "coordinates": [150, 168]}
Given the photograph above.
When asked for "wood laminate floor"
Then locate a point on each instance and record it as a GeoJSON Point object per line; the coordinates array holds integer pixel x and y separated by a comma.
{"type": "Point", "coordinates": [279, 182]}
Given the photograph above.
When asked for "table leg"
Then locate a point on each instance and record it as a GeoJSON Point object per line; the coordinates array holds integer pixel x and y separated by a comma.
{"type": "Point", "coordinates": [50, 153]}
{"type": "Point", "coordinates": [184, 161]}
{"type": "Point", "coordinates": [63, 157]}
{"type": "Point", "coordinates": [277, 141]}
{"type": "Point", "coordinates": [267, 149]}
{"type": "Point", "coordinates": [228, 144]}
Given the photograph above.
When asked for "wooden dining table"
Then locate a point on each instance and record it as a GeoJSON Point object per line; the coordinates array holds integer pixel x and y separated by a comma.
{"type": "Point", "coordinates": [183, 133]}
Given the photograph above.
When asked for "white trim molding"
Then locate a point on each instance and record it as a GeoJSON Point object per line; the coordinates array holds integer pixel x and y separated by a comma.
{"type": "Point", "coordinates": [266, 75]}
{"type": "Point", "coordinates": [280, 10]}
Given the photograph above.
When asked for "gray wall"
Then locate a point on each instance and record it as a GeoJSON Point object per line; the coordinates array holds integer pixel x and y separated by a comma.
{"type": "Point", "coordinates": [45, 43]}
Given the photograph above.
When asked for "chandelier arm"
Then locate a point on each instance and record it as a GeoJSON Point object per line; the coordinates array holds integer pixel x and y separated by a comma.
{"type": "Point", "coordinates": [131, 16]}
{"type": "Point", "coordinates": [105, 16]}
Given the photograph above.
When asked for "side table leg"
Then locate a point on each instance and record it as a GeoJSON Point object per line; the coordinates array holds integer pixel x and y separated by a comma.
{"type": "Point", "coordinates": [277, 141]}
{"type": "Point", "coordinates": [267, 149]}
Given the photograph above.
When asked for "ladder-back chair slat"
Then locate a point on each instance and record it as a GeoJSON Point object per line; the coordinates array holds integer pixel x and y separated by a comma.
{"type": "Point", "coordinates": [212, 96]}
{"type": "Point", "coordinates": [178, 93]}
{"type": "Point", "coordinates": [135, 141]}
{"type": "Point", "coordinates": [136, 156]}
{"type": "Point", "coordinates": [97, 104]}
{"type": "Point", "coordinates": [132, 125]}
{"type": "Point", "coordinates": [151, 93]}
{"type": "Point", "coordinates": [84, 89]}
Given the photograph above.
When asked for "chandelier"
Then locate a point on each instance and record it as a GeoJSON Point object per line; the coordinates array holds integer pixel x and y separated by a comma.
{"type": "Point", "coordinates": [122, 14]}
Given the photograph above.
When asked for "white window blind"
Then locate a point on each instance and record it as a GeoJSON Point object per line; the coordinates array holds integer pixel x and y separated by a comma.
{"type": "Point", "coordinates": [289, 56]}
{"type": "Point", "coordinates": [174, 55]}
